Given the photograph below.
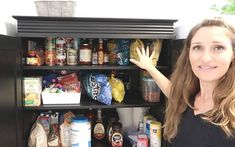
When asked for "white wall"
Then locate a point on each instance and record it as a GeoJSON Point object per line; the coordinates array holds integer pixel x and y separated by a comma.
{"type": "Point", "coordinates": [186, 11]}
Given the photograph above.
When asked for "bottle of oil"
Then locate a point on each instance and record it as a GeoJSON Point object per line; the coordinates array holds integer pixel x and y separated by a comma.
{"type": "Point", "coordinates": [99, 130]}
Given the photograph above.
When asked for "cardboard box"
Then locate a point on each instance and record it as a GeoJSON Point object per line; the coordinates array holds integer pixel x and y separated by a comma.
{"type": "Point", "coordinates": [32, 91]}
{"type": "Point", "coordinates": [60, 98]}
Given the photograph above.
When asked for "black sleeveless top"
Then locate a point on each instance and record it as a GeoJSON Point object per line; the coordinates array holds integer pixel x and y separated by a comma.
{"type": "Point", "coordinates": [195, 132]}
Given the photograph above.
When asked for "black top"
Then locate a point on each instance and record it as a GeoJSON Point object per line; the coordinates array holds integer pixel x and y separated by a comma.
{"type": "Point", "coordinates": [195, 132]}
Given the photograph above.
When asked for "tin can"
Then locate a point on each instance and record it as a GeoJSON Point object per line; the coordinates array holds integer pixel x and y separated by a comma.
{"type": "Point", "coordinates": [60, 43]}
{"type": "Point", "coordinates": [155, 134]}
{"type": "Point", "coordinates": [50, 54]}
{"type": "Point", "coordinates": [145, 117]}
{"type": "Point", "coordinates": [50, 43]}
{"type": "Point", "coordinates": [80, 132]}
{"type": "Point", "coordinates": [148, 122]}
{"type": "Point", "coordinates": [60, 57]}
{"type": "Point", "coordinates": [72, 56]}
{"type": "Point", "coordinates": [50, 57]}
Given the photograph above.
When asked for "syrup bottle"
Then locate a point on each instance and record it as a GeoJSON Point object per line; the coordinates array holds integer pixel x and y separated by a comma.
{"type": "Point", "coordinates": [99, 130]}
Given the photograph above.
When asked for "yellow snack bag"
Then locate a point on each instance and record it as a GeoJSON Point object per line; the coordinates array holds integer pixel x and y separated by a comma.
{"type": "Point", "coordinates": [156, 46]}
{"type": "Point", "coordinates": [133, 48]}
{"type": "Point", "coordinates": [118, 90]}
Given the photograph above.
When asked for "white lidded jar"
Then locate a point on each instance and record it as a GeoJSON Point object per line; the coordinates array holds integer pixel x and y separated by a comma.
{"type": "Point", "coordinates": [80, 132]}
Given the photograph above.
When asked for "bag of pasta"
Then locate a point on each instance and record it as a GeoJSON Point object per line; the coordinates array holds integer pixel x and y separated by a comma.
{"type": "Point", "coordinates": [118, 90]}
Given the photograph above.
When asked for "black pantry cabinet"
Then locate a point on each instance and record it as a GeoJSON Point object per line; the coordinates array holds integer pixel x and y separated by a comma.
{"type": "Point", "coordinates": [16, 120]}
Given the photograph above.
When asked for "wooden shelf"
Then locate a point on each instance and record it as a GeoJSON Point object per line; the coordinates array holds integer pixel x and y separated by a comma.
{"type": "Point", "coordinates": [87, 103]}
{"type": "Point", "coordinates": [86, 67]}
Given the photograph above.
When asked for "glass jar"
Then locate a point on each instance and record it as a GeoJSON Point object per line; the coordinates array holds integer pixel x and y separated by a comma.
{"type": "Point", "coordinates": [85, 54]}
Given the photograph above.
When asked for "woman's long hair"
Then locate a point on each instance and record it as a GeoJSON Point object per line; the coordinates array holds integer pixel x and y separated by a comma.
{"type": "Point", "coordinates": [185, 85]}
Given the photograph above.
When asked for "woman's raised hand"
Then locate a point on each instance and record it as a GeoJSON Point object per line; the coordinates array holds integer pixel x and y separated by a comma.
{"type": "Point", "coordinates": [145, 61]}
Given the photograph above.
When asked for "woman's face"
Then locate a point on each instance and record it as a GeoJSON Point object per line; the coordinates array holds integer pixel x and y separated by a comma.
{"type": "Point", "coordinates": [211, 53]}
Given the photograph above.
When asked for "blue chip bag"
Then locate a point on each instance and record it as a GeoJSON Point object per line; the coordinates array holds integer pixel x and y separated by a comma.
{"type": "Point", "coordinates": [98, 88]}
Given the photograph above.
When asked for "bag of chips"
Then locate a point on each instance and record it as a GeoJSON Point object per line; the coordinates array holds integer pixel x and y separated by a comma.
{"type": "Point", "coordinates": [98, 88]}
{"type": "Point", "coordinates": [118, 90]}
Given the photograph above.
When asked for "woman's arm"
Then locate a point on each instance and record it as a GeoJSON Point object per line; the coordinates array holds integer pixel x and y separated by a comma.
{"type": "Point", "coordinates": [145, 63]}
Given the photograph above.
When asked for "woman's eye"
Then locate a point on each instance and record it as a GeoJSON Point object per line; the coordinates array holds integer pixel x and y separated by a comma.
{"type": "Point", "coordinates": [196, 48]}
{"type": "Point", "coordinates": [219, 48]}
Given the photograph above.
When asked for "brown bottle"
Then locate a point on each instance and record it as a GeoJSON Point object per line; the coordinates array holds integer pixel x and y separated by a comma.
{"type": "Point", "coordinates": [99, 130]}
{"type": "Point", "coordinates": [106, 53]}
{"type": "Point", "coordinates": [117, 137]}
{"type": "Point", "coordinates": [100, 52]}
{"type": "Point", "coordinates": [109, 130]}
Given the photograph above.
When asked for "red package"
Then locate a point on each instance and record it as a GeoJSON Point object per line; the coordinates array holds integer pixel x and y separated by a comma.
{"type": "Point", "coordinates": [70, 82]}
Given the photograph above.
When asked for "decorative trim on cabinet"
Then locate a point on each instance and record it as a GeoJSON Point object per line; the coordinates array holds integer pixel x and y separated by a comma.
{"type": "Point", "coordinates": [39, 26]}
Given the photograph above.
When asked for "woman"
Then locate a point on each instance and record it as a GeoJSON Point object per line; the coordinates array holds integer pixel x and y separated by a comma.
{"type": "Point", "coordinates": [201, 106]}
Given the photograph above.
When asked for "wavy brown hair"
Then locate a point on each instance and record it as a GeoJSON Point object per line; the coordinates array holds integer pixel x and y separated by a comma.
{"type": "Point", "coordinates": [185, 85]}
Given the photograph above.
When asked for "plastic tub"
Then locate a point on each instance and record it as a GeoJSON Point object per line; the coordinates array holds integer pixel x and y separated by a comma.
{"type": "Point", "coordinates": [150, 90]}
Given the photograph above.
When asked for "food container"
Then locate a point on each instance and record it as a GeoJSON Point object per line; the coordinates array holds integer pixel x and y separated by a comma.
{"type": "Point", "coordinates": [60, 98]}
{"type": "Point", "coordinates": [55, 7]}
{"type": "Point", "coordinates": [150, 90]}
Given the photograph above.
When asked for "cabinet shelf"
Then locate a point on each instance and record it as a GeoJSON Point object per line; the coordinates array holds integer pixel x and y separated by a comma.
{"type": "Point", "coordinates": [94, 104]}
{"type": "Point", "coordinates": [86, 67]}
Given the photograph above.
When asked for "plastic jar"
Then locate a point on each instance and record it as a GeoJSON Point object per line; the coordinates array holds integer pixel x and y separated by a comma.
{"type": "Point", "coordinates": [150, 90]}
{"type": "Point", "coordinates": [80, 132]}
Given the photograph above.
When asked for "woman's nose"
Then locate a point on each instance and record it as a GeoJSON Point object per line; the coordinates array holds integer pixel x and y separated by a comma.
{"type": "Point", "coordinates": [206, 56]}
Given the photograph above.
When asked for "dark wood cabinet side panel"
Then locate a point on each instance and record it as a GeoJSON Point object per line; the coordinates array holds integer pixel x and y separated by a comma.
{"type": "Point", "coordinates": [7, 101]}
{"type": "Point", "coordinates": [10, 123]}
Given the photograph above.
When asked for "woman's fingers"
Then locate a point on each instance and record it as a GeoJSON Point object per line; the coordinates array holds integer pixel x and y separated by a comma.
{"type": "Point", "coordinates": [138, 52]}
{"type": "Point", "coordinates": [136, 62]}
{"type": "Point", "coordinates": [143, 50]}
{"type": "Point", "coordinates": [147, 51]}
{"type": "Point", "coordinates": [151, 57]}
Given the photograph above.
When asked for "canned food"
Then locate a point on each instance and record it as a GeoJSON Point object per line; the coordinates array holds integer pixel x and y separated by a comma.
{"type": "Point", "coordinates": [148, 122]}
{"type": "Point", "coordinates": [146, 116]}
{"type": "Point", "coordinates": [72, 56]}
{"type": "Point", "coordinates": [50, 56]}
{"type": "Point", "coordinates": [60, 57]}
{"type": "Point", "coordinates": [155, 134]}
{"type": "Point", "coordinates": [60, 43]}
{"type": "Point", "coordinates": [50, 43]}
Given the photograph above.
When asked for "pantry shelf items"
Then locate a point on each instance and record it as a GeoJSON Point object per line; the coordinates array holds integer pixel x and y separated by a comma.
{"type": "Point", "coordinates": [56, 47]}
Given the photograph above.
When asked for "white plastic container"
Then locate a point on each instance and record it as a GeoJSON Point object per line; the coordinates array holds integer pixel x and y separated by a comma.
{"type": "Point", "coordinates": [61, 98]}
{"type": "Point", "coordinates": [65, 8]}
{"type": "Point", "coordinates": [80, 132]}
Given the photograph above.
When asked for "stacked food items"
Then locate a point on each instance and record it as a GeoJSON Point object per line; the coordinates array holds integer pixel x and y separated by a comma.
{"type": "Point", "coordinates": [61, 51]}
{"type": "Point", "coordinates": [54, 86]}
{"type": "Point", "coordinates": [148, 134]}
{"type": "Point", "coordinates": [66, 88]}
{"type": "Point", "coordinates": [54, 129]}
